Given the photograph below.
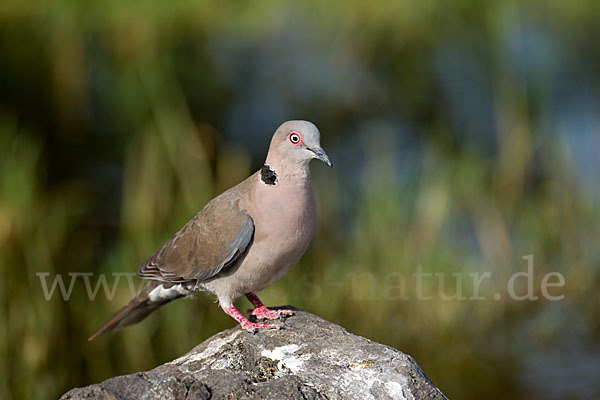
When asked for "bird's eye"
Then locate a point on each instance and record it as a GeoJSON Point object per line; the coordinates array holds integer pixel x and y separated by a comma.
{"type": "Point", "coordinates": [295, 138]}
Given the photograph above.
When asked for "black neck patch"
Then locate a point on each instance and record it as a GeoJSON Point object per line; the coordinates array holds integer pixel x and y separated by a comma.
{"type": "Point", "coordinates": [267, 175]}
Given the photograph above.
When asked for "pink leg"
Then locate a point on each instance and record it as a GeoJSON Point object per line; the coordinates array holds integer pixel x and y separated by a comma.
{"type": "Point", "coordinates": [247, 325]}
{"type": "Point", "coordinates": [260, 311]}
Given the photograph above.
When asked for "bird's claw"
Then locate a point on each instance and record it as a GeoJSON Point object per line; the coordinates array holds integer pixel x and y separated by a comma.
{"type": "Point", "coordinates": [253, 327]}
{"type": "Point", "coordinates": [284, 316]}
{"type": "Point", "coordinates": [265, 313]}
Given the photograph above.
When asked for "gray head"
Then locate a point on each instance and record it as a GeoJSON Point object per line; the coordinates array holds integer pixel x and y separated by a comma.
{"type": "Point", "coordinates": [296, 142]}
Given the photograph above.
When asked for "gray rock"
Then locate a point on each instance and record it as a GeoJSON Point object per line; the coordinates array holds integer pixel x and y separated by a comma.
{"type": "Point", "coordinates": [310, 359]}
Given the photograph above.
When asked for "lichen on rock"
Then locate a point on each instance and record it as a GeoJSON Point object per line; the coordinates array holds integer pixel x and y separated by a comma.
{"type": "Point", "coordinates": [310, 359]}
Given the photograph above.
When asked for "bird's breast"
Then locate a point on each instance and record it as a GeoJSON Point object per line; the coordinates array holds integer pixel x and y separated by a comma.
{"type": "Point", "coordinates": [285, 220]}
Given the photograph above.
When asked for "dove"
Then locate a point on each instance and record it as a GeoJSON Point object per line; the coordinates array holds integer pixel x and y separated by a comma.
{"type": "Point", "coordinates": [242, 241]}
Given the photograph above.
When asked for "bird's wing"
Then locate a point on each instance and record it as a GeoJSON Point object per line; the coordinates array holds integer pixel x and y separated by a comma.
{"type": "Point", "coordinates": [207, 245]}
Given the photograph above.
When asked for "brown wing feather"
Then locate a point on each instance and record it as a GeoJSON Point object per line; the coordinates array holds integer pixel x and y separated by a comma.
{"type": "Point", "coordinates": [208, 244]}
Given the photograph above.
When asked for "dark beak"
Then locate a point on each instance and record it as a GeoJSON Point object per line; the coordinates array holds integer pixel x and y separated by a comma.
{"type": "Point", "coordinates": [321, 155]}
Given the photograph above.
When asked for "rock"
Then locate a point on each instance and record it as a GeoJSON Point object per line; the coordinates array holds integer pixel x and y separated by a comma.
{"type": "Point", "coordinates": [310, 359]}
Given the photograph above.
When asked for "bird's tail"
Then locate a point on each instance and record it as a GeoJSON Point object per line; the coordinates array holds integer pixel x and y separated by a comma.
{"type": "Point", "coordinates": [135, 311]}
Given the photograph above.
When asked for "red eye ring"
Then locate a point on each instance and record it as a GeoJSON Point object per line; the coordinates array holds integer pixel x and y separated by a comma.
{"type": "Point", "coordinates": [295, 138]}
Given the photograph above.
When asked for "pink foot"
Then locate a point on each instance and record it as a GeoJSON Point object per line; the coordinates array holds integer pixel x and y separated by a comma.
{"type": "Point", "coordinates": [247, 325]}
{"type": "Point", "coordinates": [260, 311]}
{"type": "Point", "coordinates": [264, 312]}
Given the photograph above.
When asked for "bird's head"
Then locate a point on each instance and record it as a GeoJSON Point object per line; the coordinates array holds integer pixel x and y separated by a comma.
{"type": "Point", "coordinates": [297, 142]}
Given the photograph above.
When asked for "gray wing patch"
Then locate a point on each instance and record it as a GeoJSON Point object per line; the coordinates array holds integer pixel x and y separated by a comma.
{"type": "Point", "coordinates": [236, 249]}
{"type": "Point", "coordinates": [206, 246]}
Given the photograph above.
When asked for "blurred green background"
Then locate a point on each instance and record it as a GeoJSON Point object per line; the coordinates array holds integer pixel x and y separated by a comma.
{"type": "Point", "coordinates": [464, 136]}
